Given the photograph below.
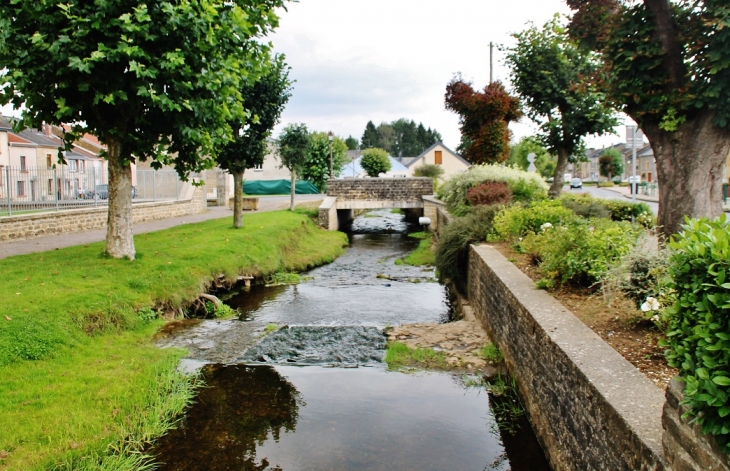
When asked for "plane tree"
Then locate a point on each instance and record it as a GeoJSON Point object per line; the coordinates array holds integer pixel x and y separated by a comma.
{"type": "Point", "coordinates": [667, 65]}
{"type": "Point", "coordinates": [156, 81]}
{"type": "Point", "coordinates": [264, 99]}
{"type": "Point", "coordinates": [551, 74]}
{"type": "Point", "coordinates": [294, 142]}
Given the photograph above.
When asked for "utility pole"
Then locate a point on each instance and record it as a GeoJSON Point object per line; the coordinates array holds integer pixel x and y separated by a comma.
{"type": "Point", "coordinates": [330, 136]}
{"type": "Point", "coordinates": [491, 62]}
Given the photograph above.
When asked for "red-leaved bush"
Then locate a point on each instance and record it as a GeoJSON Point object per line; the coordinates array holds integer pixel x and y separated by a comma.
{"type": "Point", "coordinates": [489, 193]}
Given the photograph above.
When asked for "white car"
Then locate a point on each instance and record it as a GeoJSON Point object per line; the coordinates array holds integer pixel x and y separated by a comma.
{"type": "Point", "coordinates": [576, 183]}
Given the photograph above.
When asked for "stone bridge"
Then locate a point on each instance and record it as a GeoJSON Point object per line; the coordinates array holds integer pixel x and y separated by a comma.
{"type": "Point", "coordinates": [344, 196]}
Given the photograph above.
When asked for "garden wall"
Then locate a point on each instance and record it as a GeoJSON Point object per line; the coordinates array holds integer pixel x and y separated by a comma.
{"type": "Point", "coordinates": [591, 409]}
{"type": "Point", "coordinates": [76, 220]}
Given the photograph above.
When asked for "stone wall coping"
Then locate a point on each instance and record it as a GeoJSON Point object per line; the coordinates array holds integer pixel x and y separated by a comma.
{"type": "Point", "coordinates": [623, 388]}
{"type": "Point", "coordinates": [433, 199]}
{"type": "Point", "coordinates": [88, 210]}
{"type": "Point", "coordinates": [328, 203]}
{"type": "Point", "coordinates": [377, 204]}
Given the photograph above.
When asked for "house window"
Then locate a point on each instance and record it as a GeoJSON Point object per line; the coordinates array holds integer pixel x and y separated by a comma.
{"type": "Point", "coordinates": [49, 160]}
{"type": "Point", "coordinates": [50, 187]}
{"type": "Point", "coordinates": [73, 165]}
{"type": "Point", "coordinates": [258, 168]}
{"type": "Point", "coordinates": [82, 166]}
{"type": "Point", "coordinates": [438, 157]}
{"type": "Point", "coordinates": [647, 165]}
{"type": "Point", "coordinates": [22, 163]}
{"type": "Point", "coordinates": [21, 188]}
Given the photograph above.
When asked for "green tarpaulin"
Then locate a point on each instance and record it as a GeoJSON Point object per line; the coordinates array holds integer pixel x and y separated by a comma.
{"type": "Point", "coordinates": [278, 187]}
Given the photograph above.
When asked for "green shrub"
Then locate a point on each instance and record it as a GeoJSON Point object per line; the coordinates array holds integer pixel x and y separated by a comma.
{"type": "Point", "coordinates": [623, 184]}
{"type": "Point", "coordinates": [625, 211]}
{"type": "Point", "coordinates": [525, 186]}
{"type": "Point", "coordinates": [429, 170]}
{"type": "Point", "coordinates": [698, 334]}
{"type": "Point", "coordinates": [585, 206]}
{"type": "Point", "coordinates": [452, 251]}
{"type": "Point", "coordinates": [581, 251]}
{"type": "Point", "coordinates": [606, 185]}
{"type": "Point", "coordinates": [519, 220]}
{"type": "Point", "coordinates": [375, 161]}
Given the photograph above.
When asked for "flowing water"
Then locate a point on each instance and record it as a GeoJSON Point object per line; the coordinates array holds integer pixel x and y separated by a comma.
{"type": "Point", "coordinates": [315, 395]}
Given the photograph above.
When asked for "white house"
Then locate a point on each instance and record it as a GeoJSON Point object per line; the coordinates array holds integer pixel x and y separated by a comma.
{"type": "Point", "coordinates": [437, 154]}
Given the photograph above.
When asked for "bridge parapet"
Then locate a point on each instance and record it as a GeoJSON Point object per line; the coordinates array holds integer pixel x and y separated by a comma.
{"type": "Point", "coordinates": [406, 190]}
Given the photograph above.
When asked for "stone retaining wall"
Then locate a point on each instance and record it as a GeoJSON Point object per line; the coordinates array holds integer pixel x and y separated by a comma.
{"type": "Point", "coordinates": [381, 189]}
{"type": "Point", "coordinates": [76, 220]}
{"type": "Point", "coordinates": [591, 409]}
{"type": "Point", "coordinates": [328, 214]}
{"type": "Point", "coordinates": [686, 448]}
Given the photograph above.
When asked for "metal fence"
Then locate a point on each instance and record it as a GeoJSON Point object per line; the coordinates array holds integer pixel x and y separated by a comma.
{"type": "Point", "coordinates": [37, 189]}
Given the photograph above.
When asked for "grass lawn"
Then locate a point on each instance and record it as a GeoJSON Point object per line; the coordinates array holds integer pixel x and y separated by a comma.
{"type": "Point", "coordinates": [424, 254]}
{"type": "Point", "coordinates": [83, 387]}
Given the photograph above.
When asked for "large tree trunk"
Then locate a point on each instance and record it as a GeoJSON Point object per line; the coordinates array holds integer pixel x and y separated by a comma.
{"type": "Point", "coordinates": [237, 199]}
{"type": "Point", "coordinates": [690, 170]}
{"type": "Point", "coordinates": [293, 189]}
{"type": "Point", "coordinates": [119, 238]}
{"type": "Point", "coordinates": [557, 187]}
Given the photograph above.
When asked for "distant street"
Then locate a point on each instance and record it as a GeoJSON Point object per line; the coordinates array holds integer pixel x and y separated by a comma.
{"type": "Point", "coordinates": [609, 195]}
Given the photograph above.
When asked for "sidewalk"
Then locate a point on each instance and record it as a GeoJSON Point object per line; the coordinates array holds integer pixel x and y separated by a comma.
{"type": "Point", "coordinates": [626, 193]}
{"type": "Point", "coordinates": [58, 241]}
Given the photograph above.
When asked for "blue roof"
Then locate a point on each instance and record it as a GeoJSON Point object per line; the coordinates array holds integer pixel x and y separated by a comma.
{"type": "Point", "coordinates": [353, 169]}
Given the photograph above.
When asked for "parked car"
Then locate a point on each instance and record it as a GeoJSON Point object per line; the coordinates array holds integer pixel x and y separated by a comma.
{"type": "Point", "coordinates": [576, 183]}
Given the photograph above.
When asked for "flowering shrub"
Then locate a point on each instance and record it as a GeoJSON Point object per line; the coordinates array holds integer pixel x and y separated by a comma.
{"type": "Point", "coordinates": [698, 333]}
{"type": "Point", "coordinates": [519, 220]}
{"type": "Point", "coordinates": [489, 193]}
{"type": "Point", "coordinates": [525, 186]}
{"type": "Point", "coordinates": [580, 251]}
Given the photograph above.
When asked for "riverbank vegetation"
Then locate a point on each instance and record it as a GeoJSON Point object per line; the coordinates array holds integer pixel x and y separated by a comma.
{"type": "Point", "coordinates": [424, 254]}
{"type": "Point", "coordinates": [83, 386]}
{"type": "Point", "coordinates": [399, 355]}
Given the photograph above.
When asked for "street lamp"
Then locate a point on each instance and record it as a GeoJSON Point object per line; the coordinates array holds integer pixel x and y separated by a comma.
{"type": "Point", "coordinates": [332, 170]}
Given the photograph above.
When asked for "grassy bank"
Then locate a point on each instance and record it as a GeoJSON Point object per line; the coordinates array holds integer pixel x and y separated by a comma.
{"type": "Point", "coordinates": [424, 254]}
{"type": "Point", "coordinates": [79, 370]}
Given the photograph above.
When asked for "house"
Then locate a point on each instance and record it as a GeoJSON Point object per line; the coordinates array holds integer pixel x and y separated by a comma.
{"type": "Point", "coordinates": [437, 154]}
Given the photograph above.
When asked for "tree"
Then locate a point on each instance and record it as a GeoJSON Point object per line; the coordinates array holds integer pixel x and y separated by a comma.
{"type": "Point", "coordinates": [550, 73]}
{"type": "Point", "coordinates": [483, 119]}
{"type": "Point", "coordinates": [667, 65]}
{"type": "Point", "coordinates": [317, 166]}
{"type": "Point", "coordinates": [293, 151]}
{"type": "Point", "coordinates": [402, 137]}
{"type": "Point", "coordinates": [611, 163]}
{"type": "Point", "coordinates": [264, 100]}
{"type": "Point", "coordinates": [152, 80]}
{"type": "Point", "coordinates": [375, 161]}
{"type": "Point", "coordinates": [351, 143]}
{"type": "Point", "coordinates": [532, 145]}
{"type": "Point", "coordinates": [370, 136]}
{"type": "Point", "coordinates": [429, 170]}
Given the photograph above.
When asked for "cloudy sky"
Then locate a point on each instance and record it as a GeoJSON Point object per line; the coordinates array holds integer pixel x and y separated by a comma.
{"type": "Point", "coordinates": [380, 60]}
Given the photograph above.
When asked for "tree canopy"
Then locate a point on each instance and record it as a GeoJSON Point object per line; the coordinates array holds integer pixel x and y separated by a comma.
{"type": "Point", "coordinates": [484, 117]}
{"type": "Point", "coordinates": [667, 65]}
{"type": "Point", "coordinates": [153, 81]}
{"type": "Point", "coordinates": [351, 143]}
{"type": "Point", "coordinates": [317, 166]}
{"type": "Point", "coordinates": [400, 138]}
{"type": "Point", "coordinates": [264, 100]}
{"type": "Point", "coordinates": [293, 152]}
{"type": "Point", "coordinates": [375, 161]}
{"type": "Point", "coordinates": [551, 74]}
{"type": "Point", "coordinates": [532, 145]}
{"type": "Point", "coordinates": [611, 163]}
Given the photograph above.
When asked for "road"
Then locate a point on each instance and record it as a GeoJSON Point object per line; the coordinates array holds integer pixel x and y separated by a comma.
{"type": "Point", "coordinates": [609, 195]}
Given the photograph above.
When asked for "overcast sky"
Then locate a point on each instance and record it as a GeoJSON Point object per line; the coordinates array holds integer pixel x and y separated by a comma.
{"type": "Point", "coordinates": [380, 60]}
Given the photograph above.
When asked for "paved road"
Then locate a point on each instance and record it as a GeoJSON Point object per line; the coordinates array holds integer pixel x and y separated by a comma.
{"type": "Point", "coordinates": [57, 241]}
{"type": "Point", "coordinates": [609, 195]}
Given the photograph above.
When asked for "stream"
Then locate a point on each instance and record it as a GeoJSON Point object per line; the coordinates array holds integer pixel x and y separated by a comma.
{"type": "Point", "coordinates": [297, 382]}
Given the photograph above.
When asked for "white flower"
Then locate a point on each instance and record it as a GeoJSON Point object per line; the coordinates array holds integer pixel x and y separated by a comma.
{"type": "Point", "coordinates": [651, 304]}
{"type": "Point", "coordinates": [547, 225]}
{"type": "Point", "coordinates": [655, 318]}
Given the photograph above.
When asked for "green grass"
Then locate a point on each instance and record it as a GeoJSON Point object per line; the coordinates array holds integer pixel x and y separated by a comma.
{"type": "Point", "coordinates": [80, 375]}
{"type": "Point", "coordinates": [397, 211]}
{"type": "Point", "coordinates": [491, 353]}
{"type": "Point", "coordinates": [399, 355]}
{"type": "Point", "coordinates": [424, 254]}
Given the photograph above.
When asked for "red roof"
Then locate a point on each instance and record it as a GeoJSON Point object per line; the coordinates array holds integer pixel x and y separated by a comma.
{"type": "Point", "coordinates": [15, 139]}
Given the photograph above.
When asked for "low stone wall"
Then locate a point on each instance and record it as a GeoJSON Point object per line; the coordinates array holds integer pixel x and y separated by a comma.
{"type": "Point", "coordinates": [591, 409]}
{"type": "Point", "coordinates": [328, 214]}
{"type": "Point", "coordinates": [76, 220]}
{"type": "Point", "coordinates": [431, 206]}
{"type": "Point", "coordinates": [686, 448]}
{"type": "Point", "coordinates": [380, 189]}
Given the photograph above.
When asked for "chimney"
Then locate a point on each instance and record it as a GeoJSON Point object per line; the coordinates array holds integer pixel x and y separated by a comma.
{"type": "Point", "coordinates": [47, 129]}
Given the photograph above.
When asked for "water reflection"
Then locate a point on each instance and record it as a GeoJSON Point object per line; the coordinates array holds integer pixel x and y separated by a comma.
{"type": "Point", "coordinates": [241, 408]}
